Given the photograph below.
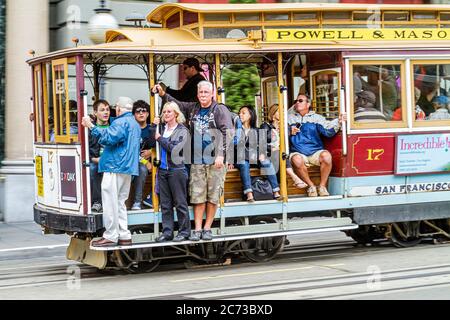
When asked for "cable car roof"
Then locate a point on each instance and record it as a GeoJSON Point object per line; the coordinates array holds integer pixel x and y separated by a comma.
{"type": "Point", "coordinates": [158, 14]}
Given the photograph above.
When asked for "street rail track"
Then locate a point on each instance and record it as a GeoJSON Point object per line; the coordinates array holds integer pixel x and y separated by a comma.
{"type": "Point", "coordinates": [320, 288]}
{"type": "Point", "coordinates": [58, 273]}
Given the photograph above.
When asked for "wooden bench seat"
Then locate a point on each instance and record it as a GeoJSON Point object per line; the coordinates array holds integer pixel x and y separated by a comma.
{"type": "Point", "coordinates": [233, 185]}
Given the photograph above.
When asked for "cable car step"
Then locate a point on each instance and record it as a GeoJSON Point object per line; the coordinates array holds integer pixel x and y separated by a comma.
{"type": "Point", "coordinates": [237, 233]}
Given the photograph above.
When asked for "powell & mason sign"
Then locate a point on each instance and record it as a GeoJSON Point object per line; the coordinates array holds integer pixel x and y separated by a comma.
{"type": "Point", "coordinates": [292, 35]}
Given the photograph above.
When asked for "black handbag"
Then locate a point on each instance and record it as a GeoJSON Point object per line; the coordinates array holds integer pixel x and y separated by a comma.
{"type": "Point", "coordinates": [262, 190]}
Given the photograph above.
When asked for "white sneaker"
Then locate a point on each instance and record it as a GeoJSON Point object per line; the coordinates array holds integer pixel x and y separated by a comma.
{"type": "Point", "coordinates": [323, 192]}
{"type": "Point", "coordinates": [136, 206]}
{"type": "Point", "coordinates": [312, 192]}
{"type": "Point", "coordinates": [97, 207]}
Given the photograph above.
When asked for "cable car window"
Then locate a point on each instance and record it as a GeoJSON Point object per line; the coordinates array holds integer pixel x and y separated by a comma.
{"type": "Point", "coordinates": [305, 16]}
{"type": "Point", "coordinates": [247, 16]}
{"type": "Point", "coordinates": [72, 93]}
{"type": "Point", "coordinates": [38, 98]}
{"type": "Point", "coordinates": [189, 17]}
{"type": "Point", "coordinates": [65, 102]}
{"type": "Point", "coordinates": [424, 15]}
{"type": "Point", "coordinates": [325, 95]}
{"type": "Point", "coordinates": [276, 17]}
{"type": "Point", "coordinates": [337, 15]}
{"type": "Point", "coordinates": [396, 16]}
{"type": "Point", "coordinates": [377, 96]}
{"type": "Point", "coordinates": [217, 17]}
{"type": "Point", "coordinates": [225, 33]}
{"type": "Point", "coordinates": [173, 21]}
{"type": "Point", "coordinates": [444, 16]}
{"type": "Point", "coordinates": [373, 17]}
{"type": "Point", "coordinates": [431, 92]}
{"type": "Point", "coordinates": [49, 118]}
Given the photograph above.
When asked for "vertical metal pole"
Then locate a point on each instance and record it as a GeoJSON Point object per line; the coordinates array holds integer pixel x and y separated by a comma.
{"type": "Point", "coordinates": [86, 150]}
{"type": "Point", "coordinates": [221, 99]}
{"type": "Point", "coordinates": [380, 89]}
{"type": "Point", "coordinates": [153, 107]}
{"type": "Point", "coordinates": [282, 100]}
{"type": "Point", "coordinates": [220, 95]}
{"type": "Point", "coordinates": [344, 123]}
{"type": "Point", "coordinates": [410, 106]}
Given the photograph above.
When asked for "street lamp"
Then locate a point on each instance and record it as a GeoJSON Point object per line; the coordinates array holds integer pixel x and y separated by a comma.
{"type": "Point", "coordinates": [100, 23]}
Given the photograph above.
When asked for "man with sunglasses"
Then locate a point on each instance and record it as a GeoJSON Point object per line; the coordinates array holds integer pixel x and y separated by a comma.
{"type": "Point", "coordinates": [306, 146]}
{"type": "Point", "coordinates": [141, 111]}
{"type": "Point", "coordinates": [188, 93]}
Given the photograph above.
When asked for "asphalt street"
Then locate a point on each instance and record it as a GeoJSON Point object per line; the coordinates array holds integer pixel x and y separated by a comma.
{"type": "Point", "coordinates": [320, 266]}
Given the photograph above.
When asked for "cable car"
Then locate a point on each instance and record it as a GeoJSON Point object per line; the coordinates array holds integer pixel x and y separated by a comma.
{"type": "Point", "coordinates": [390, 175]}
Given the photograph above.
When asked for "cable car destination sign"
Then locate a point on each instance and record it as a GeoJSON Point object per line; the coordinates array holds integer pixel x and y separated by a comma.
{"type": "Point", "coordinates": [292, 35]}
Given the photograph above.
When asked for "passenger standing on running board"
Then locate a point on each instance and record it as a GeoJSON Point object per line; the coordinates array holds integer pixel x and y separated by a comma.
{"type": "Point", "coordinates": [118, 163]}
{"type": "Point", "coordinates": [211, 130]}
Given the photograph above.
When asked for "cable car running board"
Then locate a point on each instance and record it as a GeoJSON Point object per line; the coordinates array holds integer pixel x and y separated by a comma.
{"type": "Point", "coordinates": [231, 237]}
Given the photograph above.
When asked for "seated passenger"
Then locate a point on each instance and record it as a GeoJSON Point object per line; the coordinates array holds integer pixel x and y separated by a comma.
{"type": "Point", "coordinates": [420, 114]}
{"type": "Point", "coordinates": [365, 110]}
{"type": "Point", "coordinates": [248, 154]}
{"type": "Point", "coordinates": [141, 111]}
{"type": "Point", "coordinates": [273, 143]}
{"type": "Point", "coordinates": [306, 146]}
{"type": "Point", "coordinates": [381, 81]}
{"type": "Point", "coordinates": [440, 104]}
{"type": "Point", "coordinates": [428, 92]}
{"type": "Point", "coordinates": [101, 113]}
{"type": "Point", "coordinates": [172, 174]}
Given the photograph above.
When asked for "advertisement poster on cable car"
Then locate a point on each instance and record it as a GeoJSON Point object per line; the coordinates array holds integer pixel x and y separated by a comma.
{"type": "Point", "coordinates": [422, 153]}
{"type": "Point", "coordinates": [68, 179]}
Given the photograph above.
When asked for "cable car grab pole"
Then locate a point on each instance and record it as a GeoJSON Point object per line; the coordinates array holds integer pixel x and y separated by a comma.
{"type": "Point", "coordinates": [86, 150]}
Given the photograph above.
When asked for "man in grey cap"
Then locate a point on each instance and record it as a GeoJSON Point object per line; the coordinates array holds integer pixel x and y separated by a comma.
{"type": "Point", "coordinates": [188, 93]}
{"type": "Point", "coordinates": [365, 110]}
{"type": "Point", "coordinates": [118, 163]}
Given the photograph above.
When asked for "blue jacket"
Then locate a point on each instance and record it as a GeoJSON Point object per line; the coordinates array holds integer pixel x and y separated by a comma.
{"type": "Point", "coordinates": [121, 141]}
{"type": "Point", "coordinates": [313, 125]}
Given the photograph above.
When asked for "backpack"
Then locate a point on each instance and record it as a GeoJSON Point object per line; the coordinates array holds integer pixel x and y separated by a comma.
{"type": "Point", "coordinates": [262, 190]}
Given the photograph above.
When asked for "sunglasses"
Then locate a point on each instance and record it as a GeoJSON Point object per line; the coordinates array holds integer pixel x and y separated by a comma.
{"type": "Point", "coordinates": [300, 100]}
{"type": "Point", "coordinates": [185, 67]}
{"type": "Point", "coordinates": [140, 110]}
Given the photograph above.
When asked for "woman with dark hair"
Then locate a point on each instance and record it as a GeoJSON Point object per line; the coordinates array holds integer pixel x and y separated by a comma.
{"type": "Point", "coordinates": [247, 154]}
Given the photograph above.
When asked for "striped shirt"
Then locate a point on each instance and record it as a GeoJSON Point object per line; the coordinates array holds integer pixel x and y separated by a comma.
{"type": "Point", "coordinates": [369, 115]}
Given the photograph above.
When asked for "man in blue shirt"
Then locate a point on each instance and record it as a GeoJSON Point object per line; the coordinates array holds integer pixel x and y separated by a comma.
{"type": "Point", "coordinates": [306, 146]}
{"type": "Point", "coordinates": [119, 161]}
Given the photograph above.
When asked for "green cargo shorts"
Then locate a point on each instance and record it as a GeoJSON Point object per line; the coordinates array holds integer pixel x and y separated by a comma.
{"type": "Point", "coordinates": [206, 183]}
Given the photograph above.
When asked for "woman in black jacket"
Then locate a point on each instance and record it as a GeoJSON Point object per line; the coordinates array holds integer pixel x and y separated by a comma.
{"type": "Point", "coordinates": [172, 174]}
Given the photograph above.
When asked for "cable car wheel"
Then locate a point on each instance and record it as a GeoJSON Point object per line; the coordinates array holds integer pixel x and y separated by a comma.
{"type": "Point", "coordinates": [405, 234]}
{"type": "Point", "coordinates": [139, 260]}
{"type": "Point", "coordinates": [262, 249]}
{"type": "Point", "coordinates": [364, 234]}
